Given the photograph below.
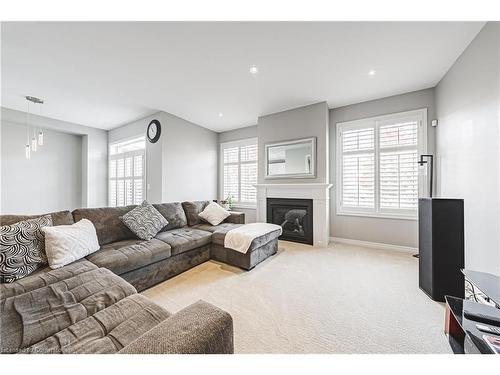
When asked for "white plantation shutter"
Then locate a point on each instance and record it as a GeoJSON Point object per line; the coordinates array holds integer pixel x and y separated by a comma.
{"type": "Point", "coordinates": [231, 155]}
{"type": "Point", "coordinates": [126, 173]}
{"type": "Point", "coordinates": [399, 134]}
{"type": "Point", "coordinates": [398, 165]}
{"type": "Point", "coordinates": [359, 139]}
{"type": "Point", "coordinates": [120, 193]}
{"type": "Point", "coordinates": [231, 181]}
{"type": "Point", "coordinates": [138, 180]}
{"type": "Point", "coordinates": [358, 185]}
{"type": "Point", "coordinates": [358, 167]}
{"type": "Point", "coordinates": [248, 192]}
{"type": "Point", "coordinates": [398, 180]}
{"type": "Point", "coordinates": [248, 153]}
{"type": "Point", "coordinates": [239, 169]}
{"type": "Point", "coordinates": [377, 165]}
{"type": "Point", "coordinates": [248, 172]}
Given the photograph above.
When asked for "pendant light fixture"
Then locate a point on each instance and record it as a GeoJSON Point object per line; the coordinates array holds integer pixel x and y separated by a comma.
{"type": "Point", "coordinates": [40, 131]}
{"type": "Point", "coordinates": [34, 142]}
{"type": "Point", "coordinates": [27, 147]}
{"type": "Point", "coordinates": [40, 137]}
{"type": "Point", "coordinates": [35, 137]}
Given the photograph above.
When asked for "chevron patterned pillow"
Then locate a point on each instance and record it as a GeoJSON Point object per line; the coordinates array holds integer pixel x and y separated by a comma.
{"type": "Point", "coordinates": [144, 220]}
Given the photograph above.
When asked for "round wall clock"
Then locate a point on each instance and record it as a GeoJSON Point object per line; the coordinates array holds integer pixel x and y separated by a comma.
{"type": "Point", "coordinates": [154, 131]}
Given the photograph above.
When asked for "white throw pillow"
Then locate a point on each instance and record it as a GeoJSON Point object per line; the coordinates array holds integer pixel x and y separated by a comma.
{"type": "Point", "coordinates": [214, 214]}
{"type": "Point", "coordinates": [65, 244]}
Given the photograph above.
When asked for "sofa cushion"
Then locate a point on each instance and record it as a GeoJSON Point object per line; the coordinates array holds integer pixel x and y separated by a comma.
{"type": "Point", "coordinates": [214, 228]}
{"type": "Point", "coordinates": [31, 317]}
{"type": "Point", "coordinates": [22, 248]}
{"type": "Point", "coordinates": [144, 220]}
{"type": "Point", "coordinates": [174, 213]}
{"type": "Point", "coordinates": [128, 255]}
{"type": "Point", "coordinates": [107, 222]}
{"type": "Point", "coordinates": [235, 218]}
{"type": "Point", "coordinates": [44, 277]}
{"type": "Point", "coordinates": [184, 239]}
{"type": "Point", "coordinates": [58, 218]}
{"type": "Point", "coordinates": [192, 210]}
{"type": "Point", "coordinates": [219, 235]}
{"type": "Point", "coordinates": [200, 328]}
{"type": "Point", "coordinates": [108, 330]}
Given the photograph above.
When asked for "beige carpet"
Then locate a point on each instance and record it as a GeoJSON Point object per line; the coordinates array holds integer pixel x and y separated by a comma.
{"type": "Point", "coordinates": [340, 299]}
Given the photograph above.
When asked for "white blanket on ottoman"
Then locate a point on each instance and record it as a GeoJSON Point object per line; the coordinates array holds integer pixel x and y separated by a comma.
{"type": "Point", "coordinates": [241, 238]}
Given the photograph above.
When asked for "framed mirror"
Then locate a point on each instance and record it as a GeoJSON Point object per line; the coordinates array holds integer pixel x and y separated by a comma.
{"type": "Point", "coordinates": [291, 159]}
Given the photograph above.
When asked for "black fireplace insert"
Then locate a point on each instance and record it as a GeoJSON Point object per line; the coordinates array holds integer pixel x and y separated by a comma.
{"type": "Point", "coordinates": [295, 216]}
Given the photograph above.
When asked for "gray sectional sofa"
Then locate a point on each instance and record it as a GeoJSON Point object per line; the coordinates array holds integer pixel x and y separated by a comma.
{"type": "Point", "coordinates": [92, 305]}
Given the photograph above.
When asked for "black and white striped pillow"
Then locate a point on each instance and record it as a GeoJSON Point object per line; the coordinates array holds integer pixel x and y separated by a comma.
{"type": "Point", "coordinates": [144, 220]}
{"type": "Point", "coordinates": [22, 248]}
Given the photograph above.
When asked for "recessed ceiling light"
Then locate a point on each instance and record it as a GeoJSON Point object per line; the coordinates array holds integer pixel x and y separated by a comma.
{"type": "Point", "coordinates": [221, 114]}
{"type": "Point", "coordinates": [254, 70]}
{"type": "Point", "coordinates": [372, 72]}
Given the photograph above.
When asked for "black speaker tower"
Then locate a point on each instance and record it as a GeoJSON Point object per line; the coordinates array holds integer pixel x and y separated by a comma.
{"type": "Point", "coordinates": [441, 247]}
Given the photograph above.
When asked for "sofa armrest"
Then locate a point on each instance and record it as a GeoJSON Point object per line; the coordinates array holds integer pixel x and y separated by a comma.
{"type": "Point", "coordinates": [200, 328]}
{"type": "Point", "coordinates": [235, 218]}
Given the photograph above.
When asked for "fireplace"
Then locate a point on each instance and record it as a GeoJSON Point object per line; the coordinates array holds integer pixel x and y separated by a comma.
{"type": "Point", "coordinates": [295, 216]}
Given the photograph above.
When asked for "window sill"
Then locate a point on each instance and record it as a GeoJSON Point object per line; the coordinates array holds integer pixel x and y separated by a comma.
{"type": "Point", "coordinates": [378, 216]}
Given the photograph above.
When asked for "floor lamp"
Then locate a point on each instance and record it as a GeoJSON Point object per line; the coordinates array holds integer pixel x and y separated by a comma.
{"type": "Point", "coordinates": [422, 162]}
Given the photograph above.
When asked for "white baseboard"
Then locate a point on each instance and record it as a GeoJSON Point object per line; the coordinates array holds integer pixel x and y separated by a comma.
{"type": "Point", "coordinates": [374, 245]}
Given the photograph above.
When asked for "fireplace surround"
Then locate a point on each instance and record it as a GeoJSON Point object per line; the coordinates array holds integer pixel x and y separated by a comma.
{"type": "Point", "coordinates": [319, 193]}
{"type": "Point", "coordinates": [295, 216]}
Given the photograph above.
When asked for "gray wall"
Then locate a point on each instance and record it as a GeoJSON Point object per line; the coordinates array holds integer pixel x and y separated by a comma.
{"type": "Point", "coordinates": [50, 181]}
{"type": "Point", "coordinates": [390, 231]}
{"type": "Point", "coordinates": [182, 165]}
{"type": "Point", "coordinates": [93, 154]}
{"type": "Point", "coordinates": [303, 122]}
{"type": "Point", "coordinates": [190, 161]}
{"type": "Point", "coordinates": [468, 144]}
{"type": "Point", "coordinates": [237, 134]}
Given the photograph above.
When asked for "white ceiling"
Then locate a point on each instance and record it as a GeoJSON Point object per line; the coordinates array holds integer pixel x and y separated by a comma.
{"type": "Point", "coordinates": [106, 74]}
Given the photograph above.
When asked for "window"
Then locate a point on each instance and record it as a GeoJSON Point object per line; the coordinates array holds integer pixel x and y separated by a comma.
{"type": "Point", "coordinates": [239, 171]}
{"type": "Point", "coordinates": [126, 172]}
{"type": "Point", "coordinates": [377, 170]}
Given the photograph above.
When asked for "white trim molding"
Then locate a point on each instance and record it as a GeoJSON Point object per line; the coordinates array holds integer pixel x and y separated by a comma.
{"type": "Point", "coordinates": [374, 245]}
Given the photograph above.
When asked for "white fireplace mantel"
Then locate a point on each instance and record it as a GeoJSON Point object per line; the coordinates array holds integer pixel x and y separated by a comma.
{"type": "Point", "coordinates": [318, 192]}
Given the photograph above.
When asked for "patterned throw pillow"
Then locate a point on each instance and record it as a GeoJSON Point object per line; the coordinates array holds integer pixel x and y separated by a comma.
{"type": "Point", "coordinates": [144, 220]}
{"type": "Point", "coordinates": [22, 248]}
